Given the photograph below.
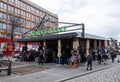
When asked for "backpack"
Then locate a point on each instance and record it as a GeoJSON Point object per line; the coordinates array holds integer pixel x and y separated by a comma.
{"type": "Point", "coordinates": [89, 58]}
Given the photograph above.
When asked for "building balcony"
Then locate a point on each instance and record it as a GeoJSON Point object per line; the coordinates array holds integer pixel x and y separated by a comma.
{"type": "Point", "coordinates": [3, 10]}
{"type": "Point", "coordinates": [4, 1]}
{"type": "Point", "coordinates": [10, 3]}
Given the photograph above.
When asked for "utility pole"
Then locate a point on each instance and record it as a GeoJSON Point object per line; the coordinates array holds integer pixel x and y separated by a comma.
{"type": "Point", "coordinates": [83, 30]}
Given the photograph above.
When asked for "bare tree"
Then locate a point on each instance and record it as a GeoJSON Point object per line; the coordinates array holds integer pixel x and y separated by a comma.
{"type": "Point", "coordinates": [15, 24]}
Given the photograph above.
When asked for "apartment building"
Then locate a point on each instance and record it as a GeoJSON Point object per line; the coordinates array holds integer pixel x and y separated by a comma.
{"type": "Point", "coordinates": [30, 15]}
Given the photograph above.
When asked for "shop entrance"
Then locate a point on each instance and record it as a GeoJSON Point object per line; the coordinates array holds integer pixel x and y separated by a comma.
{"type": "Point", "coordinates": [52, 48]}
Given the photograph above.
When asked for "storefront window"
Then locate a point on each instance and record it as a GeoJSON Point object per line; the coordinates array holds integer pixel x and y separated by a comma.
{"type": "Point", "coordinates": [4, 46]}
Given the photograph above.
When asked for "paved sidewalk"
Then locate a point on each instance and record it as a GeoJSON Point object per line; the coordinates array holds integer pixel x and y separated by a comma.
{"type": "Point", "coordinates": [55, 74]}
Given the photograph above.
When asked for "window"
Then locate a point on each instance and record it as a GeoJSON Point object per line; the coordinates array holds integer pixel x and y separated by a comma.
{"type": "Point", "coordinates": [15, 10]}
{"type": "Point", "coordinates": [17, 29]}
{"type": "Point", "coordinates": [36, 18]}
{"type": "Point", "coordinates": [33, 9]}
{"type": "Point", "coordinates": [18, 2]}
{"type": "Point", "coordinates": [24, 22]}
{"type": "Point", "coordinates": [8, 17]}
{"type": "Point", "coordinates": [26, 14]}
{"type": "Point", "coordinates": [5, 6]}
{"type": "Point", "coordinates": [24, 5]}
{"type": "Point", "coordinates": [11, 1]}
{"type": "Point", "coordinates": [4, 16]}
{"type": "Point", "coordinates": [18, 11]}
{"type": "Point", "coordinates": [32, 24]}
{"type": "Point", "coordinates": [28, 23]}
{"type": "Point", "coordinates": [8, 27]}
{"type": "Point", "coordinates": [21, 4]}
{"type": "Point", "coordinates": [23, 30]}
{"type": "Point", "coordinates": [37, 11]}
{"type": "Point", "coordinates": [0, 25]}
{"type": "Point", "coordinates": [10, 8]}
{"type": "Point", "coordinates": [1, 5]}
{"type": "Point", "coordinates": [4, 26]}
{"type": "Point", "coordinates": [22, 13]}
{"type": "Point", "coordinates": [32, 17]}
{"type": "Point", "coordinates": [27, 6]}
{"type": "Point", "coordinates": [0, 15]}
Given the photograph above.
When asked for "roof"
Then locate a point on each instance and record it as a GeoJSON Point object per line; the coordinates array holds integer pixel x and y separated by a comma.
{"type": "Point", "coordinates": [61, 36]}
{"type": "Point", "coordinates": [49, 37]}
{"type": "Point", "coordinates": [91, 36]}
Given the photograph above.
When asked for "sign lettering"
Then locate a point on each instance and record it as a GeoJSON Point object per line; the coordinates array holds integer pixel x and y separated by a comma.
{"type": "Point", "coordinates": [48, 31]}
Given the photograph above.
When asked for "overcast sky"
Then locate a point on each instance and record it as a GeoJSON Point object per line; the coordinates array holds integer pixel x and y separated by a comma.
{"type": "Point", "coordinates": [101, 17]}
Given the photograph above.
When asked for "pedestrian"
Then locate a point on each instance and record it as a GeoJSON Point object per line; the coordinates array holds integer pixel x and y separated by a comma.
{"type": "Point", "coordinates": [99, 58]}
{"type": "Point", "coordinates": [1, 54]}
{"type": "Point", "coordinates": [104, 58]}
{"type": "Point", "coordinates": [40, 57]}
{"type": "Point", "coordinates": [89, 61]}
{"type": "Point", "coordinates": [118, 58]}
{"type": "Point", "coordinates": [112, 57]}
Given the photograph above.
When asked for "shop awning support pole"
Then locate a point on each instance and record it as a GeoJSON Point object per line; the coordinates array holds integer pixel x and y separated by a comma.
{"type": "Point", "coordinates": [59, 50]}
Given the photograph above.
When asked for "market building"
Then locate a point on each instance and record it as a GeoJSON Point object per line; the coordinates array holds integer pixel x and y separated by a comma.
{"type": "Point", "coordinates": [62, 42]}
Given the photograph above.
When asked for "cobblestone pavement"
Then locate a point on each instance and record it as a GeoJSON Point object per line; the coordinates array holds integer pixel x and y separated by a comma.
{"type": "Point", "coordinates": [111, 74]}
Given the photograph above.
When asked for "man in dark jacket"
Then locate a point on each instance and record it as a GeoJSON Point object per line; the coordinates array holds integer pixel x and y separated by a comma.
{"type": "Point", "coordinates": [113, 57]}
{"type": "Point", "coordinates": [99, 58]}
{"type": "Point", "coordinates": [89, 61]}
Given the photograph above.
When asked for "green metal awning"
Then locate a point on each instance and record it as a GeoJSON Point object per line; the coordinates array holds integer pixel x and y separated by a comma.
{"type": "Point", "coordinates": [49, 37]}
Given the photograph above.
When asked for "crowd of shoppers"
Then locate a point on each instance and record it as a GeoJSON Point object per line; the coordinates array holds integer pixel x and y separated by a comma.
{"type": "Point", "coordinates": [68, 56]}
